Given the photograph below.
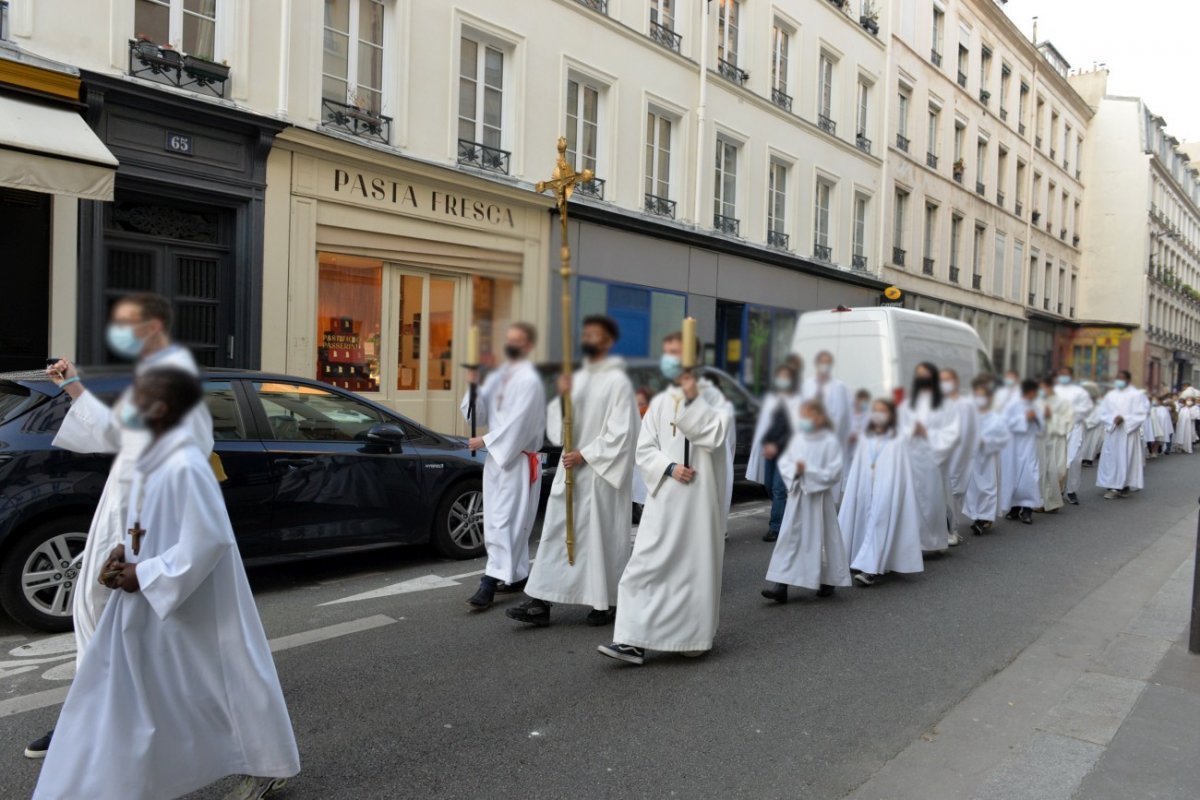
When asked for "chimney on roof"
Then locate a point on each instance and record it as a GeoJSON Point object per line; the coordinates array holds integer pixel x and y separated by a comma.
{"type": "Point", "coordinates": [1035, 39]}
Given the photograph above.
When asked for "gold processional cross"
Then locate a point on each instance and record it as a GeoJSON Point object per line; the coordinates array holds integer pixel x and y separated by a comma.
{"type": "Point", "coordinates": [562, 184]}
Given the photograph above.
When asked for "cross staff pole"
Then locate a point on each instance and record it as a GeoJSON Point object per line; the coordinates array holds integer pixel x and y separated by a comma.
{"type": "Point", "coordinates": [562, 184]}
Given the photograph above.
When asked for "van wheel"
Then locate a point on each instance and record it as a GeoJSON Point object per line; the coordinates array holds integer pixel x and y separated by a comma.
{"type": "Point", "coordinates": [41, 573]}
{"type": "Point", "coordinates": [458, 524]}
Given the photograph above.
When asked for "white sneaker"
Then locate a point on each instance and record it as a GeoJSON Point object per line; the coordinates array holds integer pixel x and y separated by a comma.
{"type": "Point", "coordinates": [955, 539]}
{"type": "Point", "coordinates": [1111, 494]}
{"type": "Point", "coordinates": [256, 788]}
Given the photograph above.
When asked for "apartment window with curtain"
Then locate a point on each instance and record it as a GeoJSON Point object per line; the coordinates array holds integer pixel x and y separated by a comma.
{"type": "Point", "coordinates": [821, 210]}
{"type": "Point", "coordinates": [583, 123]}
{"type": "Point", "coordinates": [862, 121]}
{"type": "Point", "coordinates": [964, 60]}
{"type": "Point", "coordinates": [977, 257]}
{"type": "Point", "coordinates": [860, 232]}
{"type": "Point", "coordinates": [1005, 83]}
{"type": "Point", "coordinates": [725, 187]}
{"type": "Point", "coordinates": [658, 164]}
{"type": "Point", "coordinates": [929, 245]}
{"type": "Point", "coordinates": [955, 245]}
{"type": "Point", "coordinates": [939, 27]}
{"type": "Point", "coordinates": [825, 93]}
{"type": "Point", "coordinates": [998, 264]}
{"type": "Point", "coordinates": [777, 205]}
{"type": "Point", "coordinates": [662, 14]}
{"type": "Point", "coordinates": [780, 37]}
{"type": "Point", "coordinates": [728, 20]}
{"type": "Point", "coordinates": [960, 135]}
{"type": "Point", "coordinates": [189, 26]}
{"type": "Point", "coordinates": [902, 104]}
{"type": "Point", "coordinates": [1001, 173]}
{"type": "Point", "coordinates": [352, 63]}
{"type": "Point", "coordinates": [1034, 260]}
{"type": "Point", "coordinates": [980, 166]}
{"type": "Point", "coordinates": [1017, 262]}
{"type": "Point", "coordinates": [481, 94]}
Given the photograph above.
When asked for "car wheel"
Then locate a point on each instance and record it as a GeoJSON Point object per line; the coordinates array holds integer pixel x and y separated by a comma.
{"type": "Point", "coordinates": [40, 573]}
{"type": "Point", "coordinates": [458, 526]}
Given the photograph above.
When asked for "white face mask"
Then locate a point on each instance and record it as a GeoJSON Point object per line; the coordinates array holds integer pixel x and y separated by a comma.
{"type": "Point", "coordinates": [824, 369]}
{"type": "Point", "coordinates": [948, 387]}
{"type": "Point", "coordinates": [982, 401]}
{"type": "Point", "coordinates": [783, 384]}
{"type": "Point", "coordinates": [879, 418]}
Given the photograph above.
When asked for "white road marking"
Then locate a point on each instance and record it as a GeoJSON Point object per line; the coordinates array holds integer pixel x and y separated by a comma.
{"type": "Point", "coordinates": [420, 584]}
{"type": "Point", "coordinates": [471, 574]}
{"type": "Point", "coordinates": [50, 646]}
{"type": "Point", "coordinates": [32, 702]}
{"type": "Point", "coordinates": [330, 632]}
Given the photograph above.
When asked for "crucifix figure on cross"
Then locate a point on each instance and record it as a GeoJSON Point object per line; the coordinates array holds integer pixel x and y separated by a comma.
{"type": "Point", "coordinates": [136, 533]}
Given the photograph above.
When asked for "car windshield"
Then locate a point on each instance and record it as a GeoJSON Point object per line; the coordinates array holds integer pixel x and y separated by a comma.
{"type": "Point", "coordinates": [15, 400]}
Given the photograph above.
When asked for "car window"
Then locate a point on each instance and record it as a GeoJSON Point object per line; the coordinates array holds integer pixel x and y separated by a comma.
{"type": "Point", "coordinates": [301, 413]}
{"type": "Point", "coordinates": [15, 399]}
{"type": "Point", "coordinates": [222, 403]}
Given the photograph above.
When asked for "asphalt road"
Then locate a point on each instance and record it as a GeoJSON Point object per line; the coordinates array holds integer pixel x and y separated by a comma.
{"type": "Point", "coordinates": [408, 695]}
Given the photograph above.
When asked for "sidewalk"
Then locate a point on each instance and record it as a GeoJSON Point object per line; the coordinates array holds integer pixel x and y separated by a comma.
{"type": "Point", "coordinates": [1105, 705]}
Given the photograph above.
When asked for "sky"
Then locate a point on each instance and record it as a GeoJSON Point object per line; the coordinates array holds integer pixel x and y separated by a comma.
{"type": "Point", "coordinates": [1150, 48]}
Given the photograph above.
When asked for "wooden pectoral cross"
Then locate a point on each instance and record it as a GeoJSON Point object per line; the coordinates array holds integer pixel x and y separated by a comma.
{"type": "Point", "coordinates": [136, 533]}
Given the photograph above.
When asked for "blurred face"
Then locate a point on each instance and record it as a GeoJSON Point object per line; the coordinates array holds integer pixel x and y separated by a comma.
{"type": "Point", "coordinates": [983, 400]}
{"type": "Point", "coordinates": [643, 403]}
{"type": "Point", "coordinates": [594, 336]}
{"type": "Point", "coordinates": [810, 419]}
{"type": "Point", "coordinates": [949, 382]}
{"type": "Point", "coordinates": [881, 415]}
{"type": "Point", "coordinates": [516, 342]}
{"type": "Point", "coordinates": [783, 381]}
{"type": "Point", "coordinates": [923, 374]}
{"type": "Point", "coordinates": [130, 315]}
{"type": "Point", "coordinates": [824, 364]}
{"type": "Point", "coordinates": [673, 348]}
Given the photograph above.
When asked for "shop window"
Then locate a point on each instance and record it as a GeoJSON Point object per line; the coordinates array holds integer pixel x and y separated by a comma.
{"type": "Point", "coordinates": [409, 341]}
{"type": "Point", "coordinates": [349, 301]}
{"type": "Point", "coordinates": [440, 348]}
{"type": "Point", "coordinates": [493, 308]}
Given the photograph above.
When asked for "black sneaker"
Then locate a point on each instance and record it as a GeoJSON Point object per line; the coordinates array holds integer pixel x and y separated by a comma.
{"type": "Point", "coordinates": [597, 617]}
{"type": "Point", "coordinates": [825, 591]}
{"type": "Point", "coordinates": [1013, 513]}
{"type": "Point", "coordinates": [511, 588]}
{"type": "Point", "coordinates": [38, 748]}
{"type": "Point", "coordinates": [533, 612]}
{"type": "Point", "coordinates": [484, 596]}
{"type": "Point", "coordinates": [777, 592]}
{"type": "Point", "coordinates": [1072, 498]}
{"type": "Point", "coordinates": [771, 536]}
{"type": "Point", "coordinates": [977, 527]}
{"type": "Point", "coordinates": [623, 652]}
{"type": "Point", "coordinates": [1027, 516]}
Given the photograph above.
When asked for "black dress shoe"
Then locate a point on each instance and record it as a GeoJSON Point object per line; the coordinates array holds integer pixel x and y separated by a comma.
{"type": "Point", "coordinates": [977, 527]}
{"type": "Point", "coordinates": [1013, 513]}
{"type": "Point", "coordinates": [1027, 516]}
{"type": "Point", "coordinates": [597, 617]}
{"type": "Point", "coordinates": [532, 612]}
{"type": "Point", "coordinates": [1072, 498]}
{"type": "Point", "coordinates": [777, 592]}
{"type": "Point", "coordinates": [771, 536]}
{"type": "Point", "coordinates": [484, 596]}
{"type": "Point", "coordinates": [825, 591]}
{"type": "Point", "coordinates": [512, 588]}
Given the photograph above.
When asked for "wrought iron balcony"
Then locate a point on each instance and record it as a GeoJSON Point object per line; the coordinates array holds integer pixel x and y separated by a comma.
{"type": "Point", "coordinates": [1045, 303]}
{"type": "Point", "coordinates": [777, 239]}
{"type": "Point", "coordinates": [898, 255]}
{"type": "Point", "coordinates": [1071, 311]}
{"type": "Point", "coordinates": [781, 99]}
{"type": "Point", "coordinates": [733, 72]}
{"type": "Point", "coordinates": [823, 252]}
{"type": "Point", "coordinates": [1060, 308]}
{"type": "Point", "coordinates": [1078, 174]}
{"type": "Point", "coordinates": [1062, 234]}
{"type": "Point", "coordinates": [826, 124]}
{"type": "Point", "coordinates": [1075, 240]}
{"type": "Point", "coordinates": [935, 57]}
{"type": "Point", "coordinates": [1000, 199]}
{"type": "Point", "coordinates": [958, 175]}
{"type": "Point", "coordinates": [927, 266]}
{"type": "Point", "coordinates": [858, 262]}
{"type": "Point", "coordinates": [1036, 216]}
{"type": "Point", "coordinates": [863, 142]}
{"type": "Point", "coordinates": [1018, 208]}
{"type": "Point", "coordinates": [595, 5]}
{"type": "Point", "coordinates": [491, 159]}
{"type": "Point", "coordinates": [659, 206]}
{"type": "Point", "coordinates": [1033, 298]}
{"type": "Point", "coordinates": [165, 65]}
{"type": "Point", "coordinates": [1003, 114]}
{"type": "Point", "coordinates": [1037, 142]}
{"type": "Point", "coordinates": [666, 37]}
{"type": "Point", "coordinates": [953, 274]}
{"type": "Point", "coordinates": [931, 160]}
{"type": "Point", "coordinates": [976, 281]}
{"type": "Point", "coordinates": [962, 79]}
{"type": "Point", "coordinates": [1066, 164]}
{"type": "Point", "coordinates": [1021, 128]}
{"type": "Point", "coordinates": [984, 96]}
{"type": "Point", "coordinates": [593, 188]}
{"type": "Point", "coordinates": [902, 142]}
{"type": "Point", "coordinates": [869, 24]}
{"type": "Point", "coordinates": [980, 188]}
{"type": "Point", "coordinates": [1053, 154]}
{"type": "Point", "coordinates": [356, 121]}
{"type": "Point", "coordinates": [729, 225]}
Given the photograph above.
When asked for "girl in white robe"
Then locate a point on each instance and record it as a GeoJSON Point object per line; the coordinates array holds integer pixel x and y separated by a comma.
{"type": "Point", "coordinates": [1165, 431]}
{"type": "Point", "coordinates": [981, 504]}
{"type": "Point", "coordinates": [1020, 486]}
{"type": "Point", "coordinates": [178, 688]}
{"type": "Point", "coordinates": [810, 551]}
{"type": "Point", "coordinates": [958, 467]}
{"type": "Point", "coordinates": [1181, 440]}
{"type": "Point", "coordinates": [879, 517]}
{"type": "Point", "coordinates": [931, 429]}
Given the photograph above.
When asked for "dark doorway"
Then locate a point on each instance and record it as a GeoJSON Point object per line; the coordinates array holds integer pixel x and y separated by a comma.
{"type": "Point", "coordinates": [25, 323]}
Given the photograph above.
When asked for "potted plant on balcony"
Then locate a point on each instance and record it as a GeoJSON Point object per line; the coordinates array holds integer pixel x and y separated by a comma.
{"type": "Point", "coordinates": [145, 48]}
{"type": "Point", "coordinates": [205, 70]}
{"type": "Point", "coordinates": [870, 18]}
{"type": "Point", "coordinates": [357, 111]}
{"type": "Point", "coordinates": [960, 167]}
{"type": "Point", "coordinates": [169, 54]}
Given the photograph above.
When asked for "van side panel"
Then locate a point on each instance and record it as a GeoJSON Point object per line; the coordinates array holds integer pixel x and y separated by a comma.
{"type": "Point", "coordinates": [859, 347]}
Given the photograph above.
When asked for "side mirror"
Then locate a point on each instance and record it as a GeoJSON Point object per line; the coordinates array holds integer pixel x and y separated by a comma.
{"type": "Point", "coordinates": [387, 434]}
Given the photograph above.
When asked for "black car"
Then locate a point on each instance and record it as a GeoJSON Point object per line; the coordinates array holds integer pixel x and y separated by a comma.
{"type": "Point", "coordinates": [645, 373]}
{"type": "Point", "coordinates": [310, 467]}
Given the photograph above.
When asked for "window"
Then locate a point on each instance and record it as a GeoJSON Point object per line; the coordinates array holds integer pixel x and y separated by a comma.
{"type": "Point", "coordinates": [985, 68]}
{"type": "Point", "coordinates": [1017, 262]}
{"type": "Point", "coordinates": [645, 316]}
{"type": "Point", "coordinates": [301, 413]}
{"type": "Point", "coordinates": [899, 221]}
{"type": "Point", "coordinates": [779, 58]}
{"type": "Point", "coordinates": [933, 145]}
{"type": "Point", "coordinates": [481, 94]}
{"type": "Point", "coordinates": [863, 122]}
{"type": "Point", "coordinates": [728, 14]}
{"type": "Point", "coordinates": [981, 162]}
{"type": "Point", "coordinates": [662, 14]}
{"type": "Point", "coordinates": [930, 243]}
{"type": "Point", "coordinates": [1047, 287]}
{"type": "Point", "coordinates": [964, 59]}
{"type": "Point", "coordinates": [1019, 190]}
{"type": "Point", "coordinates": [825, 88]}
{"type": "Point", "coordinates": [658, 156]}
{"type": "Point", "coordinates": [349, 300]}
{"type": "Point", "coordinates": [860, 230]}
{"type": "Point", "coordinates": [1023, 105]}
{"type": "Point", "coordinates": [583, 110]}
{"type": "Point", "coordinates": [1001, 170]}
{"type": "Point", "coordinates": [222, 403]}
{"type": "Point", "coordinates": [1005, 82]}
{"type": "Point", "coordinates": [960, 134]}
{"type": "Point", "coordinates": [777, 205]}
{"type": "Point", "coordinates": [821, 207]}
{"type": "Point", "coordinates": [187, 25]}
{"type": "Point", "coordinates": [725, 184]}
{"type": "Point", "coordinates": [4, 35]}
{"type": "Point", "coordinates": [1034, 260]}
{"type": "Point", "coordinates": [998, 264]}
{"type": "Point", "coordinates": [977, 256]}
{"type": "Point", "coordinates": [352, 65]}
{"type": "Point", "coordinates": [939, 26]}
{"type": "Point", "coordinates": [902, 116]}
{"type": "Point", "coordinates": [955, 241]}
{"type": "Point", "coordinates": [1071, 311]}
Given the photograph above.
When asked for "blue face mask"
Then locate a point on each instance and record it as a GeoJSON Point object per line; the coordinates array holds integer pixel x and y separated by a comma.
{"type": "Point", "coordinates": [1063, 380]}
{"type": "Point", "coordinates": [1120, 384]}
{"type": "Point", "coordinates": [131, 417]}
{"type": "Point", "coordinates": [806, 425]}
{"type": "Point", "coordinates": [124, 342]}
{"type": "Point", "coordinates": [1010, 382]}
{"type": "Point", "coordinates": [670, 366]}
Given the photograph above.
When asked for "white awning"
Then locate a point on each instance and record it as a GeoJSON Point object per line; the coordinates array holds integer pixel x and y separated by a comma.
{"type": "Point", "coordinates": [52, 150]}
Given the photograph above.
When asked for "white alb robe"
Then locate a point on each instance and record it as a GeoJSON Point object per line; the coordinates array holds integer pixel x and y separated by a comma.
{"type": "Point", "coordinates": [1020, 485]}
{"type": "Point", "coordinates": [511, 403]}
{"type": "Point", "coordinates": [1052, 455]}
{"type": "Point", "coordinates": [838, 402]}
{"type": "Point", "coordinates": [605, 430]}
{"type": "Point", "coordinates": [1005, 395]}
{"type": "Point", "coordinates": [1166, 428]}
{"type": "Point", "coordinates": [754, 467]}
{"type": "Point", "coordinates": [178, 688]}
{"type": "Point", "coordinates": [92, 427]}
{"type": "Point", "coordinates": [1081, 407]}
{"type": "Point", "coordinates": [670, 595]}
{"type": "Point", "coordinates": [880, 516]}
{"type": "Point", "coordinates": [1121, 456]}
{"type": "Point", "coordinates": [958, 468]}
{"type": "Point", "coordinates": [983, 489]}
{"type": "Point", "coordinates": [713, 396]}
{"type": "Point", "coordinates": [1181, 439]}
{"type": "Point", "coordinates": [1093, 435]}
{"type": "Point", "coordinates": [930, 455]}
{"type": "Point", "coordinates": [810, 551]}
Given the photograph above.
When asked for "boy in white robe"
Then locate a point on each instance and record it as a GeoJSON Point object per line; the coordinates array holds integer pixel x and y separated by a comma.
{"type": "Point", "coordinates": [1081, 407]}
{"type": "Point", "coordinates": [810, 552]}
{"type": "Point", "coordinates": [1122, 412]}
{"type": "Point", "coordinates": [606, 424]}
{"type": "Point", "coordinates": [512, 404]}
{"type": "Point", "coordinates": [1059, 417]}
{"type": "Point", "coordinates": [1020, 485]}
{"type": "Point", "coordinates": [669, 598]}
{"type": "Point", "coordinates": [931, 430]}
{"type": "Point", "coordinates": [178, 688]}
{"type": "Point", "coordinates": [981, 503]}
{"type": "Point", "coordinates": [959, 466]}
{"type": "Point", "coordinates": [1009, 390]}
{"type": "Point", "coordinates": [880, 519]}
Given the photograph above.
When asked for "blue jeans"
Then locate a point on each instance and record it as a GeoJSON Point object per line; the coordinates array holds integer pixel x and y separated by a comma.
{"type": "Point", "coordinates": [773, 480]}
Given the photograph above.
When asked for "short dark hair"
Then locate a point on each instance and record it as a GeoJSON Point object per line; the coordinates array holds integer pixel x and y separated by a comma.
{"type": "Point", "coordinates": [1028, 385]}
{"type": "Point", "coordinates": [1048, 380]}
{"type": "Point", "coordinates": [1126, 374]}
{"type": "Point", "coordinates": [178, 390]}
{"type": "Point", "coordinates": [818, 407]}
{"type": "Point", "coordinates": [1068, 370]}
{"type": "Point", "coordinates": [677, 336]}
{"type": "Point", "coordinates": [527, 328]}
{"type": "Point", "coordinates": [152, 306]}
{"type": "Point", "coordinates": [606, 322]}
{"type": "Point", "coordinates": [984, 382]}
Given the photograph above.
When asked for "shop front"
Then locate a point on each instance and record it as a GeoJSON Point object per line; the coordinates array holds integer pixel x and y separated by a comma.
{"type": "Point", "coordinates": [382, 264]}
{"type": "Point", "coordinates": [1098, 353]}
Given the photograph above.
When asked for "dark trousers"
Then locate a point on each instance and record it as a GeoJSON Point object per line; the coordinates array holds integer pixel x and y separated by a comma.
{"type": "Point", "coordinates": [773, 480]}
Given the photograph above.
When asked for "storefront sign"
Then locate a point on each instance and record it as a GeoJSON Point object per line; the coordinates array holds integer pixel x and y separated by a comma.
{"type": "Point", "coordinates": [415, 198]}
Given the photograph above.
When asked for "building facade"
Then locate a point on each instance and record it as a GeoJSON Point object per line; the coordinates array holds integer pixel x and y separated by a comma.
{"type": "Point", "coordinates": [1142, 222]}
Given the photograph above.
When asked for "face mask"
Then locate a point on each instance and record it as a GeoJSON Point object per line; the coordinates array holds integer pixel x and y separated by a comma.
{"type": "Point", "coordinates": [1041, 394]}
{"type": "Point", "coordinates": [124, 342]}
{"type": "Point", "coordinates": [1010, 381]}
{"type": "Point", "coordinates": [806, 425]}
{"type": "Point", "coordinates": [512, 352]}
{"type": "Point", "coordinates": [860, 408]}
{"type": "Point", "coordinates": [949, 387]}
{"type": "Point", "coordinates": [670, 366]}
{"type": "Point", "coordinates": [589, 350]}
{"type": "Point", "coordinates": [981, 401]}
{"type": "Point", "coordinates": [1064, 380]}
{"type": "Point", "coordinates": [879, 418]}
{"type": "Point", "coordinates": [824, 369]}
{"type": "Point", "coordinates": [131, 418]}
{"type": "Point", "coordinates": [1120, 384]}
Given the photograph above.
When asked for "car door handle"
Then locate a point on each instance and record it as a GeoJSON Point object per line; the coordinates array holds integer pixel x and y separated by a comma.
{"type": "Point", "coordinates": [295, 463]}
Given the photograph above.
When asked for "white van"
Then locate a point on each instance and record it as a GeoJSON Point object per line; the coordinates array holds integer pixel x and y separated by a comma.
{"type": "Point", "coordinates": [877, 348]}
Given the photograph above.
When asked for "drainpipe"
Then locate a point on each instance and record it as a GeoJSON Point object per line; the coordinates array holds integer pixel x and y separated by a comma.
{"type": "Point", "coordinates": [285, 44]}
{"type": "Point", "coordinates": [887, 192]}
{"type": "Point", "coordinates": [701, 114]}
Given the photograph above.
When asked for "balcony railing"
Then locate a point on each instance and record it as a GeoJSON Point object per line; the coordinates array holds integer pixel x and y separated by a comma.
{"type": "Point", "coordinates": [1053, 154]}
{"type": "Point", "coordinates": [823, 252]}
{"type": "Point", "coordinates": [980, 189]}
{"type": "Point", "coordinates": [858, 262]}
{"type": "Point", "coordinates": [778, 239]}
{"type": "Point", "coordinates": [935, 57]}
{"type": "Point", "coordinates": [1003, 114]}
{"type": "Point", "coordinates": [1018, 208]}
{"type": "Point", "coordinates": [1045, 303]}
{"type": "Point", "coordinates": [166, 65]}
{"type": "Point", "coordinates": [1066, 165]}
{"type": "Point", "coordinates": [902, 142]}
{"type": "Point", "coordinates": [1060, 308]}
{"type": "Point", "coordinates": [666, 37]}
{"type": "Point", "coordinates": [1033, 298]}
{"type": "Point", "coordinates": [356, 121]}
{"type": "Point", "coordinates": [953, 274]}
{"type": "Point", "coordinates": [927, 266]}
{"type": "Point", "coordinates": [595, 5]}
{"type": "Point", "coordinates": [491, 159]}
{"type": "Point", "coordinates": [962, 79]}
{"type": "Point", "coordinates": [976, 281]}
{"type": "Point", "coordinates": [1037, 142]}
{"type": "Point", "coordinates": [729, 225]}
{"type": "Point", "coordinates": [781, 99]}
{"type": "Point", "coordinates": [1071, 311]}
{"type": "Point", "coordinates": [1000, 199]}
{"type": "Point", "coordinates": [593, 188]}
{"type": "Point", "coordinates": [1021, 128]}
{"type": "Point", "coordinates": [863, 142]}
{"type": "Point", "coordinates": [984, 96]}
{"type": "Point", "coordinates": [1062, 234]}
{"type": "Point", "coordinates": [958, 176]}
{"type": "Point", "coordinates": [1075, 240]}
{"type": "Point", "coordinates": [1078, 173]}
{"type": "Point", "coordinates": [732, 72]}
{"type": "Point", "coordinates": [931, 160]}
{"type": "Point", "coordinates": [826, 124]}
{"type": "Point", "coordinates": [898, 255]}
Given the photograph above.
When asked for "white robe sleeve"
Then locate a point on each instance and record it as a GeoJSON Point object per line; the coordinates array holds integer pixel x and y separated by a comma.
{"type": "Point", "coordinates": [92, 427]}
{"type": "Point", "coordinates": [650, 458]}
{"type": "Point", "coordinates": [505, 441]}
{"type": "Point", "coordinates": [482, 392]}
{"type": "Point", "coordinates": [1139, 409]}
{"type": "Point", "coordinates": [1108, 413]}
{"type": "Point", "coordinates": [205, 536]}
{"type": "Point", "coordinates": [607, 454]}
{"type": "Point", "coordinates": [706, 427]}
{"type": "Point", "coordinates": [993, 436]}
{"type": "Point", "coordinates": [554, 431]}
{"type": "Point", "coordinates": [823, 470]}
{"type": "Point", "coordinates": [943, 436]}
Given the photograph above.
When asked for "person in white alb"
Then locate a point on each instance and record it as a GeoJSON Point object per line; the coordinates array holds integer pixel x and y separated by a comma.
{"type": "Point", "coordinates": [1123, 411]}
{"type": "Point", "coordinates": [981, 505]}
{"type": "Point", "coordinates": [1081, 407]}
{"type": "Point", "coordinates": [931, 430]}
{"type": "Point", "coordinates": [959, 465]}
{"type": "Point", "coordinates": [512, 404]}
{"type": "Point", "coordinates": [835, 396]}
{"type": "Point", "coordinates": [1020, 478]}
{"type": "Point", "coordinates": [1058, 416]}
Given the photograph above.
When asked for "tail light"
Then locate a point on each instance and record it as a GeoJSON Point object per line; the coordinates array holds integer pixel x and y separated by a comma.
{"type": "Point", "coordinates": [898, 395]}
